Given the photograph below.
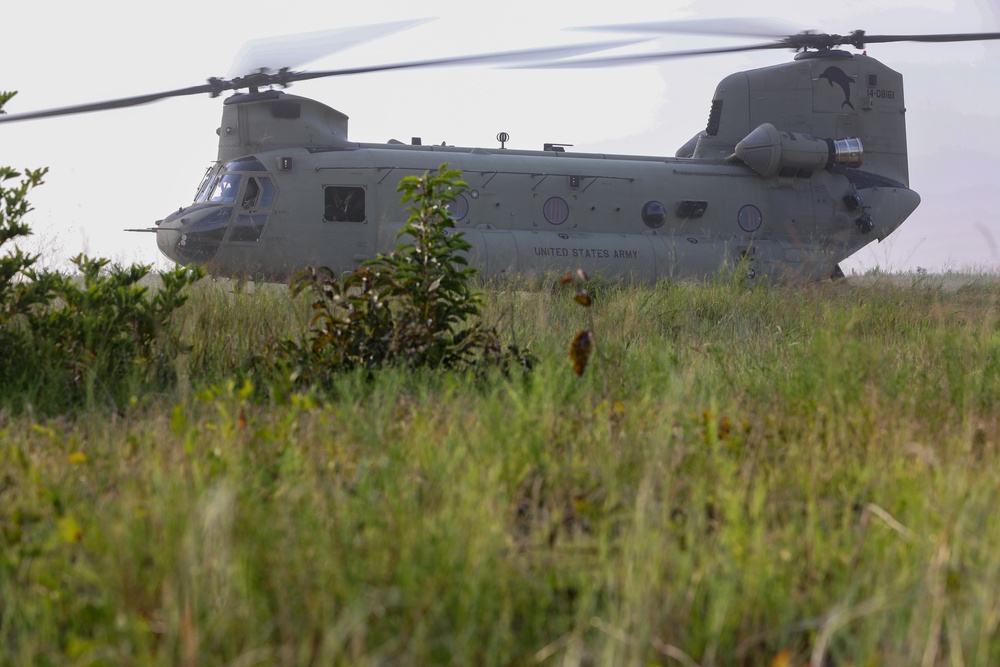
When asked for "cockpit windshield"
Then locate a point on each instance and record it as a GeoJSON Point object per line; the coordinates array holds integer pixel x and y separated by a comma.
{"type": "Point", "coordinates": [220, 185]}
{"type": "Point", "coordinates": [207, 183]}
{"type": "Point", "coordinates": [225, 189]}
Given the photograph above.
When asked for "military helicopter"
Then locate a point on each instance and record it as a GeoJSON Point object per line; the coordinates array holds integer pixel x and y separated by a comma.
{"type": "Point", "coordinates": [800, 165]}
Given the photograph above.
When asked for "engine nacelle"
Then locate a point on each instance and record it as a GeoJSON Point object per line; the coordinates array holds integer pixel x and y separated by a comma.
{"type": "Point", "coordinates": [768, 151]}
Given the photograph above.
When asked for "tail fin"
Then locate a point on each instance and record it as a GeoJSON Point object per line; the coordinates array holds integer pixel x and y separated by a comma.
{"type": "Point", "coordinates": [830, 95]}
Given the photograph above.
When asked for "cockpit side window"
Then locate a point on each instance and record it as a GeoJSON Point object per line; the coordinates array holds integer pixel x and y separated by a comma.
{"type": "Point", "coordinates": [251, 193]}
{"type": "Point", "coordinates": [266, 193]}
{"type": "Point", "coordinates": [252, 215]}
{"type": "Point", "coordinates": [344, 204]}
{"type": "Point", "coordinates": [259, 193]}
{"type": "Point", "coordinates": [247, 227]}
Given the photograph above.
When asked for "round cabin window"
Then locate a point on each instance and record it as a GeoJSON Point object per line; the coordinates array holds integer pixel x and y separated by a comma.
{"type": "Point", "coordinates": [555, 210]}
{"type": "Point", "coordinates": [459, 208]}
{"type": "Point", "coordinates": [750, 218]}
{"type": "Point", "coordinates": [654, 214]}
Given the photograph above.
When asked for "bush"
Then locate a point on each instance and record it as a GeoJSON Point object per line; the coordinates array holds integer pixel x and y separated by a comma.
{"type": "Point", "coordinates": [413, 307]}
{"type": "Point", "coordinates": [17, 297]}
{"type": "Point", "coordinates": [62, 337]}
{"type": "Point", "coordinates": [103, 334]}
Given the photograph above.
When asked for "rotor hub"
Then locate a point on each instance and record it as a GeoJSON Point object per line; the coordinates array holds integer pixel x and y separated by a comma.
{"type": "Point", "coordinates": [823, 41]}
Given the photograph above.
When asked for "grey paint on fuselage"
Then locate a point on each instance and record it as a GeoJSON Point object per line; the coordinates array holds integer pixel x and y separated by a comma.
{"type": "Point", "coordinates": [603, 234]}
{"type": "Point", "coordinates": [798, 201]}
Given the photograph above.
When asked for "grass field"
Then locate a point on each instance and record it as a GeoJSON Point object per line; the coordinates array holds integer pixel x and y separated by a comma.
{"type": "Point", "coordinates": [765, 476]}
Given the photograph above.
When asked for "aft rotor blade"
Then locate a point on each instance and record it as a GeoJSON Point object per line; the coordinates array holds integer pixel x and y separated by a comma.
{"type": "Point", "coordinates": [107, 104]}
{"type": "Point", "coordinates": [804, 40]}
{"type": "Point", "coordinates": [955, 37]}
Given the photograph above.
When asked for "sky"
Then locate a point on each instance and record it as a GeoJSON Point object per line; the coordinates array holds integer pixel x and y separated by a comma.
{"type": "Point", "coordinates": [127, 168]}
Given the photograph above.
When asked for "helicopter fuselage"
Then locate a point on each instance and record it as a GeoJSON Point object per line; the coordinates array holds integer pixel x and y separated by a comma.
{"type": "Point", "coordinates": [757, 190]}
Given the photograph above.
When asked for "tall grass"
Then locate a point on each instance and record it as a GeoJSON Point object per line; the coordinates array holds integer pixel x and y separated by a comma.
{"type": "Point", "coordinates": [741, 476]}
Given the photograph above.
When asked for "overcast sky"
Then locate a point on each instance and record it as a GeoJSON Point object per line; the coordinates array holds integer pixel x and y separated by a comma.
{"type": "Point", "coordinates": [130, 167]}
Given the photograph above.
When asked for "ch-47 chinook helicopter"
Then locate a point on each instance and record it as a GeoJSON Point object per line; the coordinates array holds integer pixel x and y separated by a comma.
{"type": "Point", "coordinates": [801, 164]}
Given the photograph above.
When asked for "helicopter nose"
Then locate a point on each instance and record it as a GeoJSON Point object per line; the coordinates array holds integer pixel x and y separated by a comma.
{"type": "Point", "coordinates": [194, 237]}
{"type": "Point", "coordinates": [166, 240]}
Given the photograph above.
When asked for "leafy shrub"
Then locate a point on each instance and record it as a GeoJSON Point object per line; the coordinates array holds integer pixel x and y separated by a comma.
{"type": "Point", "coordinates": [17, 297]}
{"type": "Point", "coordinates": [104, 330]}
{"type": "Point", "coordinates": [62, 337]}
{"type": "Point", "coordinates": [412, 307]}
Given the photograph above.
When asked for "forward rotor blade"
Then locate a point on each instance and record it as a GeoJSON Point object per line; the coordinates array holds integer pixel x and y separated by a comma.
{"type": "Point", "coordinates": [283, 77]}
{"type": "Point", "coordinates": [107, 104]}
{"type": "Point", "coordinates": [292, 51]}
{"type": "Point", "coordinates": [497, 58]}
{"type": "Point", "coordinates": [289, 50]}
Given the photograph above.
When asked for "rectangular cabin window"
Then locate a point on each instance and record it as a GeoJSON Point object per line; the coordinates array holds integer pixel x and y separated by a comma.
{"type": "Point", "coordinates": [344, 204]}
{"type": "Point", "coordinates": [690, 208]}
